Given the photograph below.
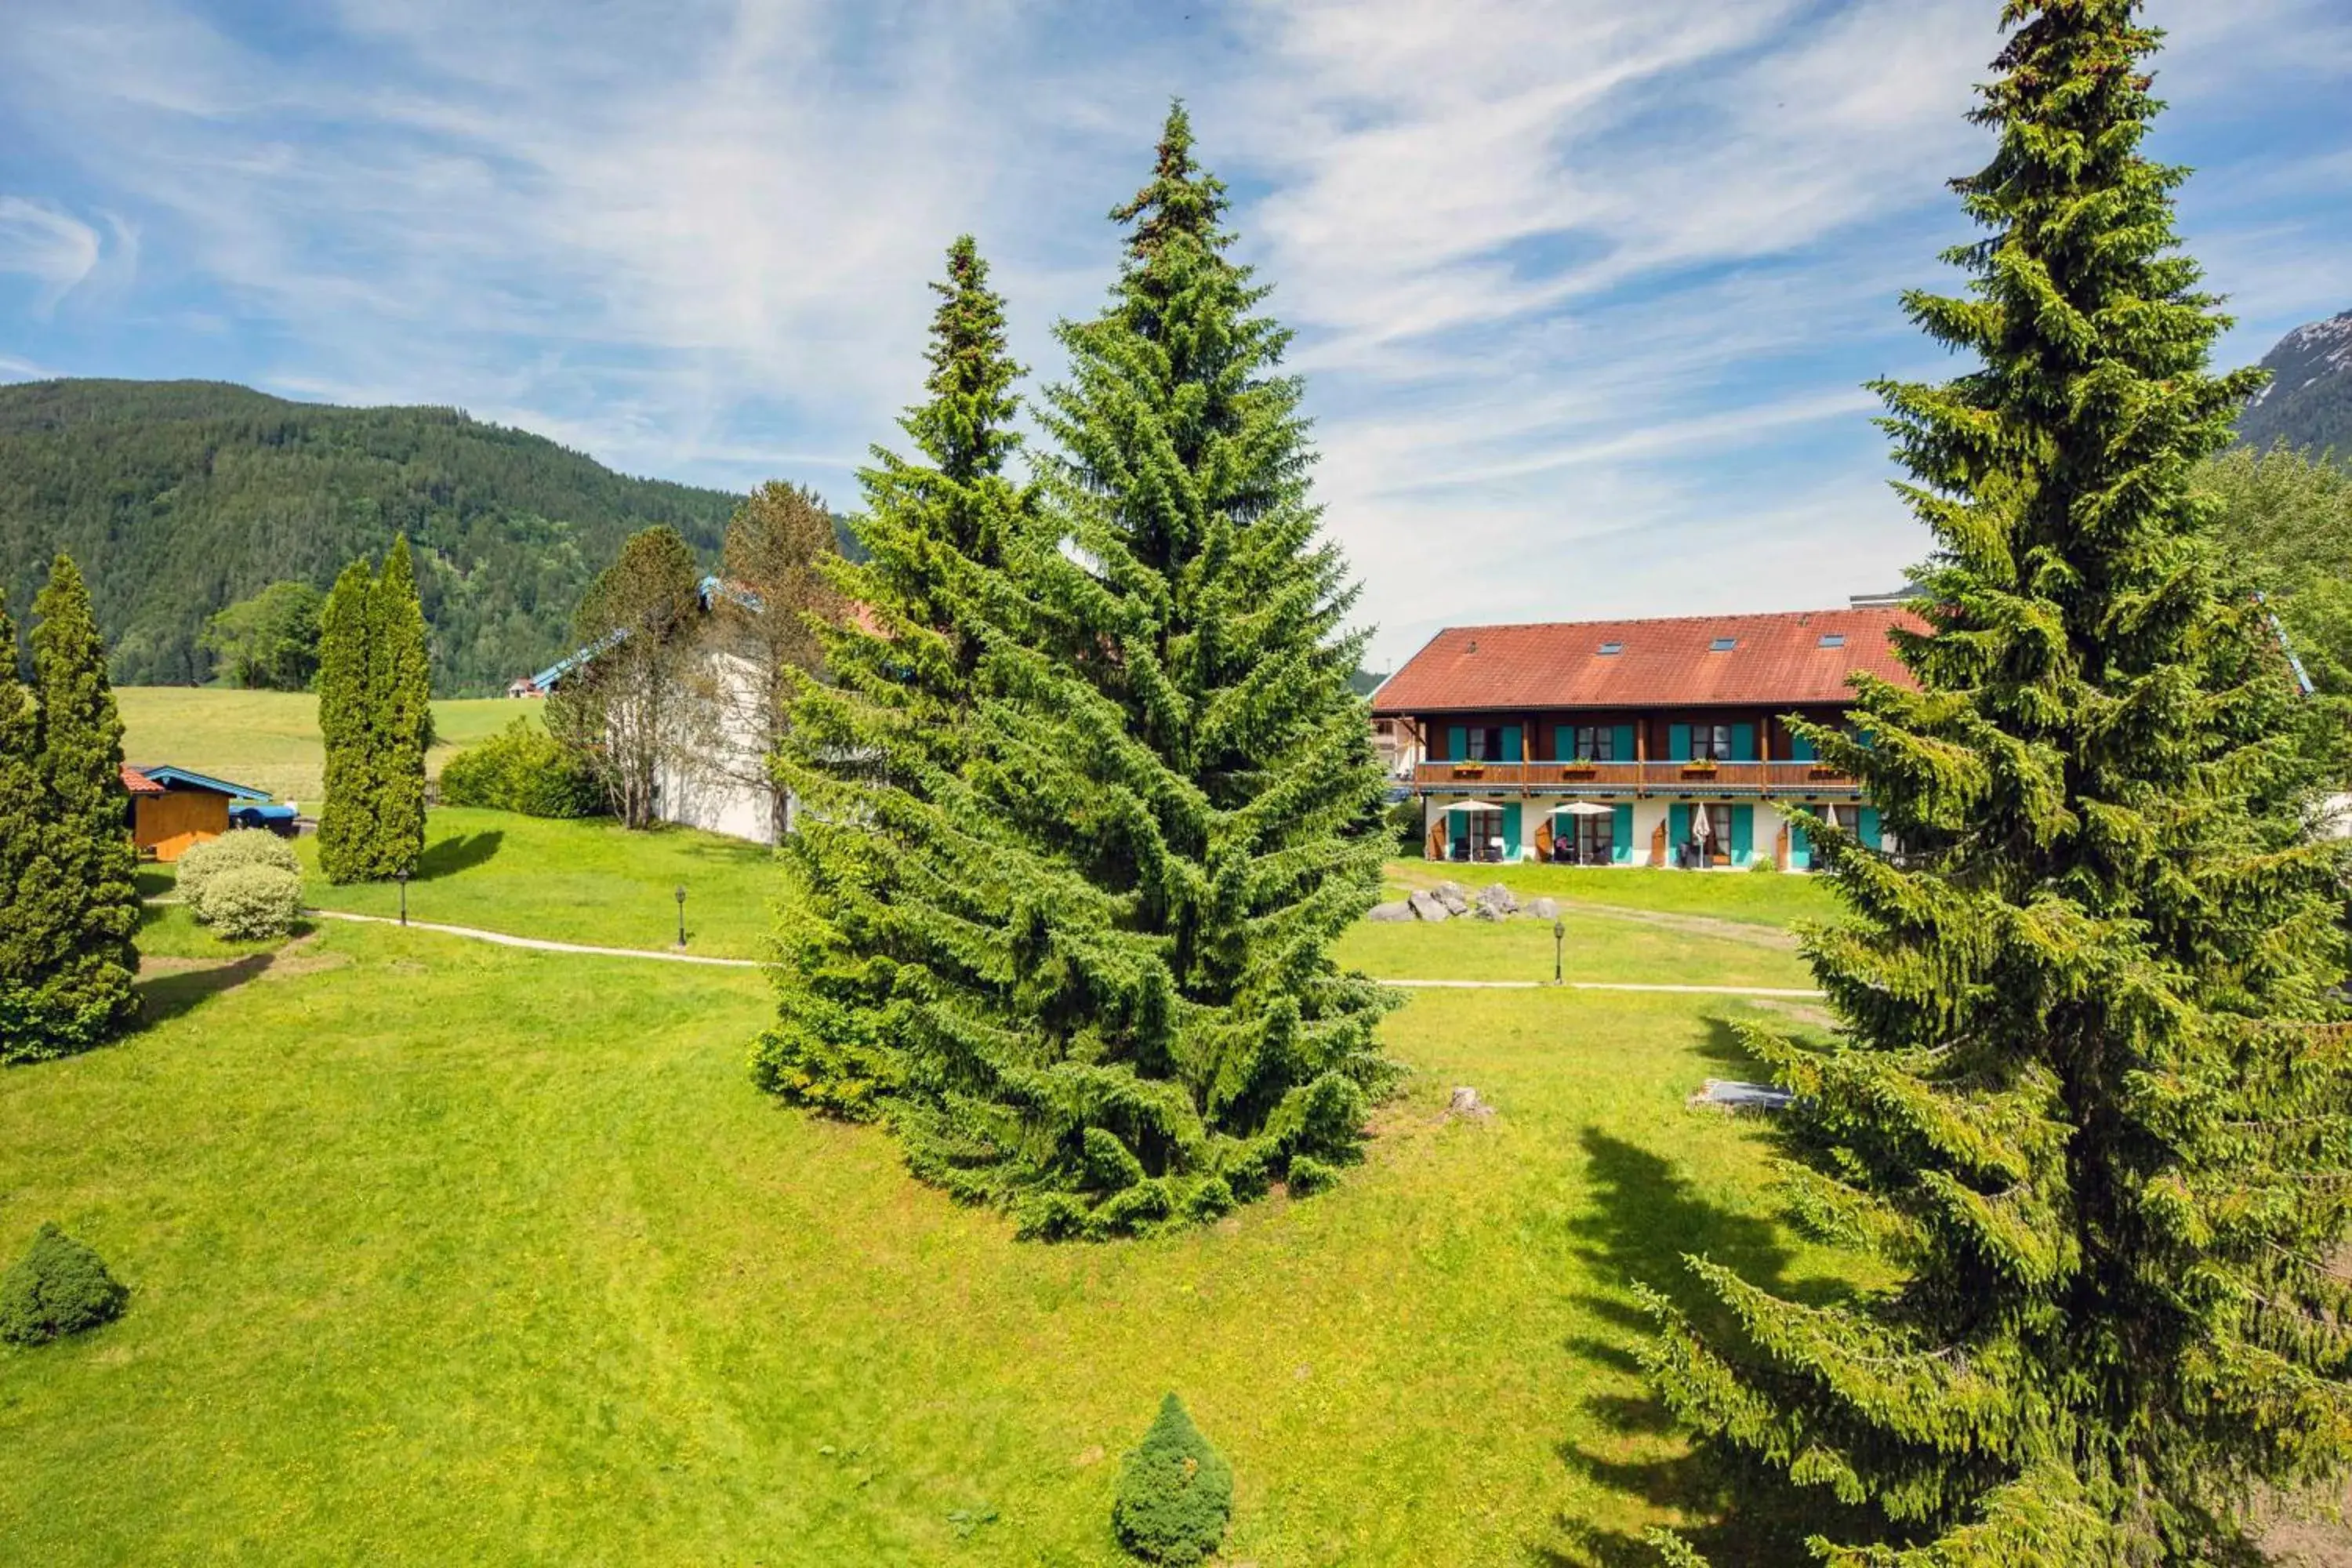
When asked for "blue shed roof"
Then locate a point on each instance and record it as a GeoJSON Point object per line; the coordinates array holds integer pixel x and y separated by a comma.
{"type": "Point", "coordinates": [170, 777]}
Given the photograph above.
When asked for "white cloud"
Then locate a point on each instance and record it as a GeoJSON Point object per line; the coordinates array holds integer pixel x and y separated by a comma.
{"type": "Point", "coordinates": [62, 252]}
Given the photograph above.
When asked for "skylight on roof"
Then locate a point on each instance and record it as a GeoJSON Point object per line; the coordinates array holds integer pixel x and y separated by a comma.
{"type": "Point", "coordinates": [1833, 639]}
{"type": "Point", "coordinates": [1723, 644]}
{"type": "Point", "coordinates": [1611, 647]}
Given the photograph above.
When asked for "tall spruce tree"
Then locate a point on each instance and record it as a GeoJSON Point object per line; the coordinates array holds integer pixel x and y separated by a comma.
{"type": "Point", "coordinates": [868, 753]}
{"type": "Point", "coordinates": [346, 725]}
{"type": "Point", "coordinates": [401, 713]}
{"type": "Point", "coordinates": [2088, 1106]}
{"type": "Point", "coordinates": [76, 905]}
{"type": "Point", "coordinates": [1102, 927]}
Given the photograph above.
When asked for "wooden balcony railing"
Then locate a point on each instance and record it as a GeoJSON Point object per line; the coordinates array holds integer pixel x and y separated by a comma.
{"type": "Point", "coordinates": [1637, 778]}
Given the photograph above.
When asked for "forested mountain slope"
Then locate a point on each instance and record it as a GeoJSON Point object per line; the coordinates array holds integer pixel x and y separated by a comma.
{"type": "Point", "coordinates": [180, 498]}
{"type": "Point", "coordinates": [2308, 402]}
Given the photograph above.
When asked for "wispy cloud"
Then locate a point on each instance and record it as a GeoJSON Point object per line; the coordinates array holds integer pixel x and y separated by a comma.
{"type": "Point", "coordinates": [1584, 292]}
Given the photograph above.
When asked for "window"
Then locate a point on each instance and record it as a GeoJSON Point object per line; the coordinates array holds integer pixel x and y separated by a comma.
{"type": "Point", "coordinates": [1475, 835]}
{"type": "Point", "coordinates": [1711, 741]}
{"type": "Point", "coordinates": [1486, 745]}
{"type": "Point", "coordinates": [1723, 644]}
{"type": "Point", "coordinates": [1833, 639]}
{"type": "Point", "coordinates": [1585, 840]}
{"type": "Point", "coordinates": [1595, 743]}
{"type": "Point", "coordinates": [1610, 649]}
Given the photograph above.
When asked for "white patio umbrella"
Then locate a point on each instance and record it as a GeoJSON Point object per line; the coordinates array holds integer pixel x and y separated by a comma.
{"type": "Point", "coordinates": [1473, 805]}
{"type": "Point", "coordinates": [1583, 808]}
{"type": "Point", "coordinates": [1701, 828]}
{"type": "Point", "coordinates": [1829, 816]}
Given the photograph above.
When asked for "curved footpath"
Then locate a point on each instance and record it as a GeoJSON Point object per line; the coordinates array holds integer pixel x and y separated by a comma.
{"type": "Point", "coordinates": [542, 945]}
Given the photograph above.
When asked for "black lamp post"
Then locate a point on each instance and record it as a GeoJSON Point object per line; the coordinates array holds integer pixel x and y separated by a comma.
{"type": "Point", "coordinates": [401, 876]}
{"type": "Point", "coordinates": [681, 916]}
{"type": "Point", "coordinates": [1558, 952]}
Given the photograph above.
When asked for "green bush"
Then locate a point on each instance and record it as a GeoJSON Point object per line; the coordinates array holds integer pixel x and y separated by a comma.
{"type": "Point", "coordinates": [1406, 822]}
{"type": "Point", "coordinates": [1766, 864]}
{"type": "Point", "coordinates": [58, 1288]}
{"type": "Point", "coordinates": [1175, 1493]}
{"type": "Point", "coordinates": [240, 846]}
{"type": "Point", "coordinates": [522, 769]}
{"type": "Point", "coordinates": [251, 903]}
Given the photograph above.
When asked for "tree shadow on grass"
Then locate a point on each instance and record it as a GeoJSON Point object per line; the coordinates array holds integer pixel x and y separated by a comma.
{"type": "Point", "coordinates": [1647, 1217]}
{"type": "Point", "coordinates": [164, 997]}
{"type": "Point", "coordinates": [448, 857]}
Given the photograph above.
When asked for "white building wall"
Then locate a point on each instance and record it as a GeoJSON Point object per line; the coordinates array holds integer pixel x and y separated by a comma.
{"type": "Point", "coordinates": [1649, 815]}
{"type": "Point", "coordinates": [713, 776]}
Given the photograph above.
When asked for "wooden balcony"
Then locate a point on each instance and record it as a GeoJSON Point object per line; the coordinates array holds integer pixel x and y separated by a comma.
{"type": "Point", "coordinates": [1651, 778]}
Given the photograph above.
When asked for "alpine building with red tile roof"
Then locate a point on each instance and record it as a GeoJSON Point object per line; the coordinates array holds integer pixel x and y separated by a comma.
{"type": "Point", "coordinates": [1657, 741]}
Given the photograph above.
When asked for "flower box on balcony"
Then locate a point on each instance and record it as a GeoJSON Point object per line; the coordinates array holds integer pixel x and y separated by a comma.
{"type": "Point", "coordinates": [1470, 772]}
{"type": "Point", "coordinates": [1698, 770]}
{"type": "Point", "coordinates": [1580, 771]}
{"type": "Point", "coordinates": [1824, 774]}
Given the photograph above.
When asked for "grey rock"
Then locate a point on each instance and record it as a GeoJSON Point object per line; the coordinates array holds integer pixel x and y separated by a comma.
{"type": "Point", "coordinates": [1453, 902]}
{"type": "Point", "coordinates": [1491, 912]}
{"type": "Point", "coordinates": [1465, 1102]}
{"type": "Point", "coordinates": [1545, 909]}
{"type": "Point", "coordinates": [1428, 907]}
{"type": "Point", "coordinates": [1390, 914]}
{"type": "Point", "coordinates": [1450, 891]}
{"type": "Point", "coordinates": [1500, 896]}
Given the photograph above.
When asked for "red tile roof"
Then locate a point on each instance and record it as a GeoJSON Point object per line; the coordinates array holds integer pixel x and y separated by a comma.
{"type": "Point", "coordinates": [1668, 663]}
{"type": "Point", "coordinates": [138, 782]}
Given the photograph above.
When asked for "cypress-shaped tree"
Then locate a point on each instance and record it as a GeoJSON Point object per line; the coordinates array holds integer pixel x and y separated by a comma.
{"type": "Point", "coordinates": [401, 707]}
{"type": "Point", "coordinates": [346, 725]}
{"type": "Point", "coordinates": [1106, 923]}
{"type": "Point", "coordinates": [75, 906]}
{"type": "Point", "coordinates": [21, 947]}
{"type": "Point", "coordinates": [2088, 1106]}
{"type": "Point", "coordinates": [867, 752]}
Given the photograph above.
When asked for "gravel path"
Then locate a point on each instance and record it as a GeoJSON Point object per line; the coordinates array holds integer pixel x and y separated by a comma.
{"type": "Point", "coordinates": [536, 944]}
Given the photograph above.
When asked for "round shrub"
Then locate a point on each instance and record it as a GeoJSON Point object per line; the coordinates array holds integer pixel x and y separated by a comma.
{"type": "Point", "coordinates": [58, 1288]}
{"type": "Point", "coordinates": [239, 846]}
{"type": "Point", "coordinates": [522, 769]}
{"type": "Point", "coordinates": [1175, 1493]}
{"type": "Point", "coordinates": [251, 903]}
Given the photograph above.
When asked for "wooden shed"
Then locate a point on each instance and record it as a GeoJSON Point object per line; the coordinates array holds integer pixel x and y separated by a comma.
{"type": "Point", "coordinates": [173, 809]}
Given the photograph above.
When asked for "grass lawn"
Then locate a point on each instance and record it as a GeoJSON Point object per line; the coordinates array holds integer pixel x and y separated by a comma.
{"type": "Point", "coordinates": [271, 739]}
{"type": "Point", "coordinates": [573, 881]}
{"type": "Point", "coordinates": [442, 1252]}
{"type": "Point", "coordinates": [1761, 897]}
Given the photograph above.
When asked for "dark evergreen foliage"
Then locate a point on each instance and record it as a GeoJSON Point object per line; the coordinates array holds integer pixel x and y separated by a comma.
{"type": "Point", "coordinates": [68, 959]}
{"type": "Point", "coordinates": [21, 947]}
{"type": "Point", "coordinates": [2090, 1106]}
{"type": "Point", "coordinates": [1175, 1493]}
{"type": "Point", "coordinates": [183, 498]}
{"type": "Point", "coordinates": [346, 818]}
{"type": "Point", "coordinates": [1096, 797]}
{"type": "Point", "coordinates": [375, 717]}
{"type": "Point", "coordinates": [58, 1288]}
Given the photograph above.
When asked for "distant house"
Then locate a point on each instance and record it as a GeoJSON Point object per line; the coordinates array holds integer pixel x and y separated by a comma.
{"type": "Point", "coordinates": [1657, 742]}
{"type": "Point", "coordinates": [174, 809]}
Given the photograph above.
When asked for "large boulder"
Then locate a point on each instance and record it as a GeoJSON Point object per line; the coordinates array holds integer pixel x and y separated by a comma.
{"type": "Point", "coordinates": [1545, 909]}
{"type": "Point", "coordinates": [1391, 914]}
{"type": "Point", "coordinates": [1486, 911]}
{"type": "Point", "coordinates": [1496, 896]}
{"type": "Point", "coordinates": [1455, 897]}
{"type": "Point", "coordinates": [1428, 906]}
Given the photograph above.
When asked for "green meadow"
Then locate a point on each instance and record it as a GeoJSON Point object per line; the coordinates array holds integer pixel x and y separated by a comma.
{"type": "Point", "coordinates": [446, 1252]}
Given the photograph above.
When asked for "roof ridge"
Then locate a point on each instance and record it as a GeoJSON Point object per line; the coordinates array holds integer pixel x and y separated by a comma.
{"type": "Point", "coordinates": [1678, 620]}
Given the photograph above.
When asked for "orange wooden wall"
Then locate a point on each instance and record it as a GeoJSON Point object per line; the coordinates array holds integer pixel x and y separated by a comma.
{"type": "Point", "coordinates": [169, 825]}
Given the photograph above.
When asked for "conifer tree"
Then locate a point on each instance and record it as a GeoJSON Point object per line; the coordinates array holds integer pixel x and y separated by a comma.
{"type": "Point", "coordinates": [20, 843]}
{"type": "Point", "coordinates": [1102, 926]}
{"type": "Point", "coordinates": [866, 753]}
{"type": "Point", "coordinates": [401, 704]}
{"type": "Point", "coordinates": [346, 724]}
{"type": "Point", "coordinates": [76, 905]}
{"type": "Point", "coordinates": [2089, 1106]}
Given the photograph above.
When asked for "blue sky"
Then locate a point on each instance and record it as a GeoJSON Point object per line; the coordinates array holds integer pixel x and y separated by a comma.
{"type": "Point", "coordinates": [1585, 292]}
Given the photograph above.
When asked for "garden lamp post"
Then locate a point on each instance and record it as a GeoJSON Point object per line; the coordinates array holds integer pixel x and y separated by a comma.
{"type": "Point", "coordinates": [681, 917]}
{"type": "Point", "coordinates": [401, 876]}
{"type": "Point", "coordinates": [1558, 952]}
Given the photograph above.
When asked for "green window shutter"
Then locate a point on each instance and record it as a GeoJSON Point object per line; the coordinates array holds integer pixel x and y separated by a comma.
{"type": "Point", "coordinates": [1678, 826]}
{"type": "Point", "coordinates": [1678, 743]}
{"type": "Point", "coordinates": [1743, 743]}
{"type": "Point", "coordinates": [1457, 742]}
{"type": "Point", "coordinates": [1621, 836]}
{"type": "Point", "coordinates": [1801, 750]}
{"type": "Point", "coordinates": [1743, 833]}
{"type": "Point", "coordinates": [1563, 742]}
{"type": "Point", "coordinates": [1866, 827]}
{"type": "Point", "coordinates": [1801, 849]}
{"type": "Point", "coordinates": [1624, 747]}
{"type": "Point", "coordinates": [1510, 832]}
{"type": "Point", "coordinates": [1511, 743]}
